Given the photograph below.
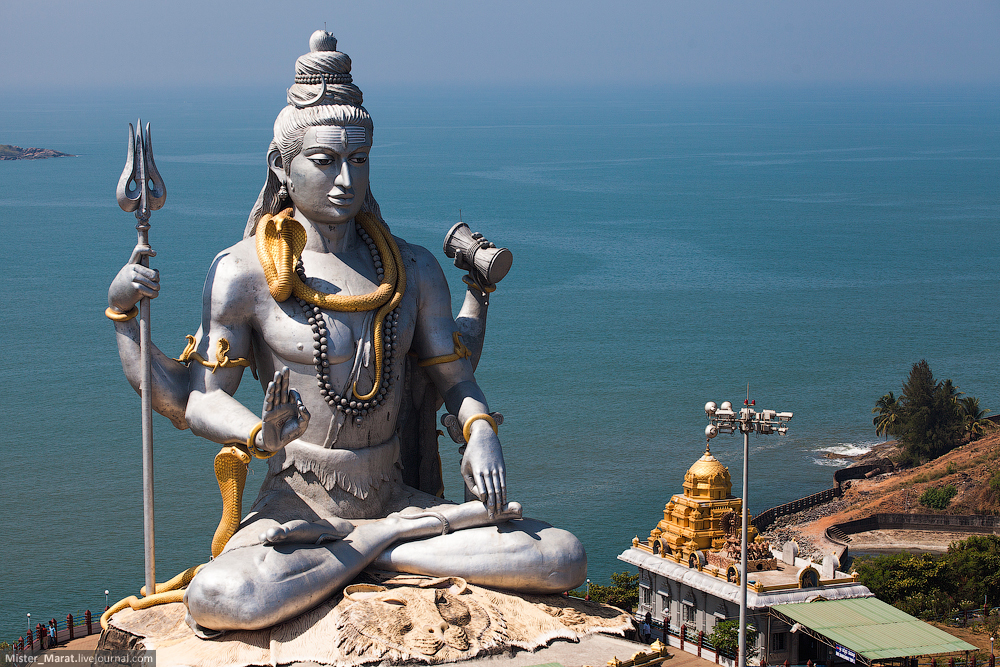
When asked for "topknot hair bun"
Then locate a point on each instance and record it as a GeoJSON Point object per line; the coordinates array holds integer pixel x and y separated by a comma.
{"type": "Point", "coordinates": [321, 40]}
{"type": "Point", "coordinates": [323, 76]}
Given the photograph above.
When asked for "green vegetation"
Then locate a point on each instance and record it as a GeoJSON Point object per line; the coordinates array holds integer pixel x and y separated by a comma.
{"type": "Point", "coordinates": [726, 638]}
{"type": "Point", "coordinates": [928, 586]}
{"type": "Point", "coordinates": [6, 150]}
{"type": "Point", "coordinates": [930, 417]}
{"type": "Point", "coordinates": [622, 593]}
{"type": "Point", "coordinates": [995, 484]}
{"type": "Point", "coordinates": [938, 498]}
{"type": "Point", "coordinates": [930, 476]}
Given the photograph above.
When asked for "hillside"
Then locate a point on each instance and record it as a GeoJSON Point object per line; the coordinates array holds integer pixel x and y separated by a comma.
{"type": "Point", "coordinates": [968, 468]}
{"type": "Point", "coordinates": [8, 152]}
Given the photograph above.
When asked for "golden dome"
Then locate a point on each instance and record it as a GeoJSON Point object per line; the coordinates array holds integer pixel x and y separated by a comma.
{"type": "Point", "coordinates": [708, 479]}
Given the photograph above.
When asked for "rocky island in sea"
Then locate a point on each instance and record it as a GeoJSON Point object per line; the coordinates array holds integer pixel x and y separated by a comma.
{"type": "Point", "coordinates": [8, 152]}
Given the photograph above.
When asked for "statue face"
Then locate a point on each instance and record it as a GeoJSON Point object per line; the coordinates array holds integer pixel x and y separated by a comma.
{"type": "Point", "coordinates": [328, 180]}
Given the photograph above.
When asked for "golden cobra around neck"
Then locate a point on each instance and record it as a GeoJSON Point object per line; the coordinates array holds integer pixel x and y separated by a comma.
{"type": "Point", "coordinates": [280, 241]}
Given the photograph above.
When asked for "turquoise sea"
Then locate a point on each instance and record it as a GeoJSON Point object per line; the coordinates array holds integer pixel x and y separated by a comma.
{"type": "Point", "coordinates": [671, 245]}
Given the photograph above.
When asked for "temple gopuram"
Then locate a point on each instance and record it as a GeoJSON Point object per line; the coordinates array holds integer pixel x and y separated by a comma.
{"type": "Point", "coordinates": [689, 571]}
{"type": "Point", "coordinates": [701, 527]}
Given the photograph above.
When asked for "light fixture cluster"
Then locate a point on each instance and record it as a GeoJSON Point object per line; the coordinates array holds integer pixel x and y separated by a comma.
{"type": "Point", "coordinates": [726, 420]}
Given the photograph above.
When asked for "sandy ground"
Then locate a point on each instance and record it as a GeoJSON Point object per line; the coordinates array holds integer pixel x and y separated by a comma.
{"type": "Point", "coordinates": [911, 541]}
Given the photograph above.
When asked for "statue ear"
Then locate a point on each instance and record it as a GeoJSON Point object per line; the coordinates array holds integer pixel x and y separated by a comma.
{"type": "Point", "coordinates": [275, 165]}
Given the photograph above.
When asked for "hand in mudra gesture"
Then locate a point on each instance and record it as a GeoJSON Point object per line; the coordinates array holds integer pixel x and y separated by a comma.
{"type": "Point", "coordinates": [284, 417]}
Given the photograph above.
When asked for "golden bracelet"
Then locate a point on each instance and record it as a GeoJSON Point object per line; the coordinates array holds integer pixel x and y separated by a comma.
{"type": "Point", "coordinates": [116, 316]}
{"type": "Point", "coordinates": [252, 446]}
{"type": "Point", "coordinates": [467, 429]}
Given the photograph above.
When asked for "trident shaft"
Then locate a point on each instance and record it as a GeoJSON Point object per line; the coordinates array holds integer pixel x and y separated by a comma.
{"type": "Point", "coordinates": [140, 189]}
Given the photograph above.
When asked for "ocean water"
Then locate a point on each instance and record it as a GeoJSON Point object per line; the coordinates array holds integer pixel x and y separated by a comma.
{"type": "Point", "coordinates": [670, 247]}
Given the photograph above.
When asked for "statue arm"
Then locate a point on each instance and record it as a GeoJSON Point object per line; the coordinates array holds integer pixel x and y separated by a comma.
{"type": "Point", "coordinates": [483, 465]}
{"type": "Point", "coordinates": [471, 322]}
{"type": "Point", "coordinates": [212, 412]}
{"type": "Point", "coordinates": [228, 308]}
{"type": "Point", "coordinates": [170, 377]}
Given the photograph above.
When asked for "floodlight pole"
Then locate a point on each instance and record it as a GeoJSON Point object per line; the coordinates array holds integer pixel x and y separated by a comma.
{"type": "Point", "coordinates": [724, 420]}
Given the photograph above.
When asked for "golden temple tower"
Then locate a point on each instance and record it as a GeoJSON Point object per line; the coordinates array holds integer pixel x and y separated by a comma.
{"type": "Point", "coordinates": [692, 521]}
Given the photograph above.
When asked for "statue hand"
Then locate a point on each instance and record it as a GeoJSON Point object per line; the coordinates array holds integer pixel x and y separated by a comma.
{"type": "Point", "coordinates": [134, 281]}
{"type": "Point", "coordinates": [483, 467]}
{"type": "Point", "coordinates": [284, 417]}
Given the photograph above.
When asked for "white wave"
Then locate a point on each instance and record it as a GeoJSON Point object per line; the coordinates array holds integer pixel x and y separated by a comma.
{"type": "Point", "coordinates": [833, 463]}
{"type": "Point", "coordinates": [841, 450]}
{"type": "Point", "coordinates": [849, 448]}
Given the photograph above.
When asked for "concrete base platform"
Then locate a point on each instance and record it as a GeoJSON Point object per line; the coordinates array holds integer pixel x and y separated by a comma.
{"type": "Point", "coordinates": [416, 623]}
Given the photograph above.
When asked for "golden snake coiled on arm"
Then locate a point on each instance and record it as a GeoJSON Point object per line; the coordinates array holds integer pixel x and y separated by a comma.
{"type": "Point", "coordinates": [231, 473]}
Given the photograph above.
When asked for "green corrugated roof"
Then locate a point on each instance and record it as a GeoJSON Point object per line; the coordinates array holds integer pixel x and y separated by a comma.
{"type": "Point", "coordinates": [872, 628]}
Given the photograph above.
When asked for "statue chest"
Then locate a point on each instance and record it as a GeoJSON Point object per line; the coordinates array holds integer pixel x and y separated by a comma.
{"type": "Point", "coordinates": [290, 331]}
{"type": "Point", "coordinates": [290, 335]}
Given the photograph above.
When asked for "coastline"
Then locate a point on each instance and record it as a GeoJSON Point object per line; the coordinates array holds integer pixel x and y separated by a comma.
{"type": "Point", "coordinates": [10, 152]}
{"type": "Point", "coordinates": [966, 467]}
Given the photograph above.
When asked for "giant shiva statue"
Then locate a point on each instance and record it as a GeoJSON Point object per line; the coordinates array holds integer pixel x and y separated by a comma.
{"type": "Point", "coordinates": [334, 314]}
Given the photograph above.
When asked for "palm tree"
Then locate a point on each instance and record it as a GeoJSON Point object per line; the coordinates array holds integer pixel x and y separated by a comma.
{"type": "Point", "coordinates": [976, 423]}
{"type": "Point", "coordinates": [887, 408]}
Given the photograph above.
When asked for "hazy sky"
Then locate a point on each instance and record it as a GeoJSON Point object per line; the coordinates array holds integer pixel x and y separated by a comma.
{"type": "Point", "coordinates": [69, 43]}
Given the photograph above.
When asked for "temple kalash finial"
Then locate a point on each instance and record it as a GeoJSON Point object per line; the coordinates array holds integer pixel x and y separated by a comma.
{"type": "Point", "coordinates": [321, 40]}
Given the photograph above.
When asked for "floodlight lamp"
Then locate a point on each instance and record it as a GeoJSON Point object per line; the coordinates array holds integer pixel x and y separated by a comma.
{"type": "Point", "coordinates": [710, 408]}
{"type": "Point", "coordinates": [767, 415]}
{"type": "Point", "coordinates": [796, 628]}
{"type": "Point", "coordinates": [711, 431]}
{"type": "Point", "coordinates": [782, 430]}
{"type": "Point", "coordinates": [784, 416]}
{"type": "Point", "coordinates": [726, 405]}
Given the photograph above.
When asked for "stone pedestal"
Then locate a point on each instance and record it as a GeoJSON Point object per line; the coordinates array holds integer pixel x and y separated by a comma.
{"type": "Point", "coordinates": [405, 623]}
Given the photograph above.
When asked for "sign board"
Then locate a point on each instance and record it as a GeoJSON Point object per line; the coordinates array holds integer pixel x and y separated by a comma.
{"type": "Point", "coordinates": [845, 653]}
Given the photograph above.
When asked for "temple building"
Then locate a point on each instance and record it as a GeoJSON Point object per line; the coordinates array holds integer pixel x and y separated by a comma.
{"type": "Point", "coordinates": [689, 579]}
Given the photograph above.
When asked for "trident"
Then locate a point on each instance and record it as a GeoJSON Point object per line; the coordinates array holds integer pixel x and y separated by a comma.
{"type": "Point", "coordinates": [140, 189]}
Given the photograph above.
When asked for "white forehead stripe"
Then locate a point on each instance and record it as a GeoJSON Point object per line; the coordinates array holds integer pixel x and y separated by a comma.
{"type": "Point", "coordinates": [334, 134]}
{"type": "Point", "coordinates": [356, 134]}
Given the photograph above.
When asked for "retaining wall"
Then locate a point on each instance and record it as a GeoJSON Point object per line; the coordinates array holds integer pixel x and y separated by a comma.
{"type": "Point", "coordinates": [959, 523]}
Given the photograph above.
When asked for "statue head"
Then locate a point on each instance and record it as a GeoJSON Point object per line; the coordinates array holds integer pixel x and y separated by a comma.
{"type": "Point", "coordinates": [323, 94]}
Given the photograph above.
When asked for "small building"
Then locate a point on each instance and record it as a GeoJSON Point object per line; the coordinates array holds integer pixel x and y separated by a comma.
{"type": "Point", "coordinates": [689, 570]}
